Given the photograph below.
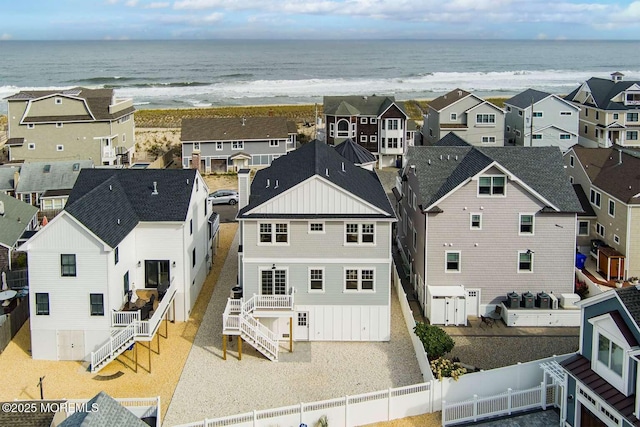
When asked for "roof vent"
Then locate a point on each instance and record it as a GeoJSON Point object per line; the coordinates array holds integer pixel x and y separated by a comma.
{"type": "Point", "coordinates": [440, 156]}
{"type": "Point", "coordinates": [276, 186]}
{"type": "Point", "coordinates": [456, 157]}
{"type": "Point", "coordinates": [187, 181]}
{"type": "Point", "coordinates": [447, 157]}
{"type": "Point", "coordinates": [429, 161]}
{"type": "Point", "coordinates": [459, 93]}
{"type": "Point", "coordinates": [268, 183]}
{"type": "Point", "coordinates": [243, 121]}
{"type": "Point", "coordinates": [118, 220]}
{"type": "Point", "coordinates": [342, 166]}
{"type": "Point", "coordinates": [76, 167]}
{"type": "Point", "coordinates": [1, 208]}
{"type": "Point", "coordinates": [326, 172]}
{"type": "Point", "coordinates": [155, 188]}
{"type": "Point", "coordinates": [47, 168]}
{"type": "Point", "coordinates": [110, 187]}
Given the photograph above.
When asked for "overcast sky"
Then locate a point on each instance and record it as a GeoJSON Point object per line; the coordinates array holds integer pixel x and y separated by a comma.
{"type": "Point", "coordinates": [319, 19]}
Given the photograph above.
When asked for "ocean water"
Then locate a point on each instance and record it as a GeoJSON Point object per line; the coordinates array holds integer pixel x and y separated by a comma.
{"type": "Point", "coordinates": [180, 74]}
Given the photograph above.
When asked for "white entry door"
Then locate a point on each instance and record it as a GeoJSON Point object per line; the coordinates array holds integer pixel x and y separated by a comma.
{"type": "Point", "coordinates": [301, 330]}
{"type": "Point", "coordinates": [455, 311]}
{"type": "Point", "coordinates": [473, 302]}
{"type": "Point", "coordinates": [70, 345]}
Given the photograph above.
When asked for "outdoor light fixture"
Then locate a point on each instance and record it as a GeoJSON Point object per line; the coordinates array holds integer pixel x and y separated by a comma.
{"type": "Point", "coordinates": [273, 267]}
{"type": "Point", "coordinates": [139, 263]}
{"type": "Point", "coordinates": [173, 264]}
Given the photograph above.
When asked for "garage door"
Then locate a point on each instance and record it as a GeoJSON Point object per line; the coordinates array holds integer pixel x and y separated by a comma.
{"type": "Point", "coordinates": [218, 165]}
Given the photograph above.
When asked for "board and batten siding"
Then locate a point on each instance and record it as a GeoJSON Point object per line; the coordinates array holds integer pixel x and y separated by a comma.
{"type": "Point", "coordinates": [348, 323]}
{"type": "Point", "coordinates": [489, 257]}
{"type": "Point", "coordinates": [69, 304]}
{"type": "Point", "coordinates": [632, 262]}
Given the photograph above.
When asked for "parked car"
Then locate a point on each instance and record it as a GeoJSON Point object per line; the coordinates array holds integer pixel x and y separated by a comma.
{"type": "Point", "coordinates": [221, 197]}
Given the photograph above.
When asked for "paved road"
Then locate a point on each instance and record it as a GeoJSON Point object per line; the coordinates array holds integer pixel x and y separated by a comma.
{"type": "Point", "coordinates": [227, 212]}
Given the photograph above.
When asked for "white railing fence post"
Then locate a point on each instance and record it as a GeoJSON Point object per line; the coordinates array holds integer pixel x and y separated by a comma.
{"type": "Point", "coordinates": [301, 412]}
{"type": "Point", "coordinates": [346, 411]}
{"type": "Point", "coordinates": [444, 412]}
{"type": "Point", "coordinates": [509, 400]}
{"type": "Point", "coordinates": [255, 418]}
{"type": "Point", "coordinates": [475, 407]}
{"type": "Point", "coordinates": [543, 395]}
{"type": "Point", "coordinates": [389, 404]}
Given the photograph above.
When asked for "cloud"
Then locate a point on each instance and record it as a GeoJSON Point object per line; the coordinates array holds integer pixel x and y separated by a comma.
{"type": "Point", "coordinates": [112, 1]}
{"type": "Point", "coordinates": [5, 36]}
{"type": "Point", "coordinates": [157, 5]}
{"type": "Point", "coordinates": [214, 17]}
{"type": "Point", "coordinates": [629, 15]}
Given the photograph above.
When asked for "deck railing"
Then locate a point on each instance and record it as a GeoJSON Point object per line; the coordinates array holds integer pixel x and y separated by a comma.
{"type": "Point", "coordinates": [114, 343]}
{"type": "Point", "coordinates": [260, 333]}
{"type": "Point", "coordinates": [256, 302]}
{"type": "Point", "coordinates": [148, 328]}
{"type": "Point", "coordinates": [124, 318]}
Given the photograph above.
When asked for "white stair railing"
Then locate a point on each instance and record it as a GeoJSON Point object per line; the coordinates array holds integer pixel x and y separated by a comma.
{"type": "Point", "coordinates": [113, 346]}
{"type": "Point", "coordinates": [260, 336]}
{"type": "Point", "coordinates": [124, 318]}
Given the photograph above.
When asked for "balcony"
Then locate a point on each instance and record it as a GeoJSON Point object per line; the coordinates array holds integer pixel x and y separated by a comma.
{"type": "Point", "coordinates": [108, 154]}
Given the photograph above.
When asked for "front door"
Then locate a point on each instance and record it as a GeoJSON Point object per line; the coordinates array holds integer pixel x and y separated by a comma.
{"type": "Point", "coordinates": [473, 300]}
{"type": "Point", "coordinates": [301, 330]}
{"type": "Point", "coordinates": [156, 272]}
{"type": "Point", "coordinates": [70, 345]}
{"type": "Point", "coordinates": [587, 419]}
{"type": "Point", "coordinates": [273, 282]}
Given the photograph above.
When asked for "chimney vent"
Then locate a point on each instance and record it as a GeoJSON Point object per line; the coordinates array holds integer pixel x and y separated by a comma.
{"type": "Point", "coordinates": [155, 188]}
{"type": "Point", "coordinates": [429, 161]}
{"type": "Point", "coordinates": [268, 183]}
{"type": "Point", "coordinates": [276, 186]}
{"type": "Point", "coordinates": [342, 166]}
{"type": "Point", "coordinates": [440, 156]}
{"type": "Point", "coordinates": [326, 171]}
{"type": "Point", "coordinates": [619, 157]}
{"type": "Point", "coordinates": [1, 208]}
{"type": "Point", "coordinates": [118, 221]}
{"type": "Point", "coordinates": [110, 187]}
{"type": "Point", "coordinates": [243, 121]}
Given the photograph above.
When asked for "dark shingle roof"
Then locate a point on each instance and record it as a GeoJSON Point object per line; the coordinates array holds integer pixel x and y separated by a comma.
{"type": "Point", "coordinates": [441, 169]}
{"type": "Point", "coordinates": [35, 418]}
{"type": "Point", "coordinates": [109, 413]}
{"type": "Point", "coordinates": [315, 158]}
{"type": "Point", "coordinates": [111, 202]}
{"type": "Point", "coordinates": [98, 101]}
{"type": "Point", "coordinates": [603, 166]}
{"type": "Point", "coordinates": [234, 128]}
{"type": "Point", "coordinates": [630, 297]}
{"type": "Point", "coordinates": [526, 98]}
{"type": "Point", "coordinates": [603, 90]}
{"type": "Point", "coordinates": [358, 105]}
{"type": "Point", "coordinates": [448, 98]}
{"type": "Point", "coordinates": [451, 140]}
{"type": "Point", "coordinates": [355, 153]}
{"type": "Point", "coordinates": [587, 209]}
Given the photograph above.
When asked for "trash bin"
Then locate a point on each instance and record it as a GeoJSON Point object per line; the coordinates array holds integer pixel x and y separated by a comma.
{"type": "Point", "coordinates": [580, 260]}
{"type": "Point", "coordinates": [236, 292]}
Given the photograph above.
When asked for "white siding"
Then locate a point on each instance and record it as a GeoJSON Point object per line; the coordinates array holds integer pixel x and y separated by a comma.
{"type": "Point", "coordinates": [348, 323]}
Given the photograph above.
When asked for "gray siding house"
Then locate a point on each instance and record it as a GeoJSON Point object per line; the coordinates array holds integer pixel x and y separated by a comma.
{"type": "Point", "coordinates": [230, 144]}
{"type": "Point", "coordinates": [315, 232]}
{"type": "Point", "coordinates": [73, 124]}
{"type": "Point", "coordinates": [477, 121]}
{"type": "Point", "coordinates": [540, 119]}
{"type": "Point", "coordinates": [478, 223]}
{"type": "Point", "coordinates": [16, 217]}
{"type": "Point", "coordinates": [602, 380]}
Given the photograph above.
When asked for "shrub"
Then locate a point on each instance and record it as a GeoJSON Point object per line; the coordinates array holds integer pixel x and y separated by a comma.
{"type": "Point", "coordinates": [442, 368]}
{"type": "Point", "coordinates": [435, 340]}
{"type": "Point", "coordinates": [581, 289]}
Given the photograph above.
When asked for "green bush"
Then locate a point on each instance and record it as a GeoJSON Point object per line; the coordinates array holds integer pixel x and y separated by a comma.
{"type": "Point", "coordinates": [435, 340]}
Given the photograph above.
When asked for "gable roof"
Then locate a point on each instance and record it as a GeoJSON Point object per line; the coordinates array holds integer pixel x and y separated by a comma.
{"type": "Point", "coordinates": [355, 153]}
{"type": "Point", "coordinates": [37, 177]}
{"type": "Point", "coordinates": [630, 298]}
{"type": "Point", "coordinates": [604, 169]}
{"type": "Point", "coordinates": [38, 417]}
{"type": "Point", "coordinates": [316, 158]}
{"type": "Point", "coordinates": [603, 90]}
{"type": "Point", "coordinates": [448, 98]}
{"type": "Point", "coordinates": [111, 202]}
{"type": "Point", "coordinates": [451, 140]}
{"type": "Point", "coordinates": [359, 105]}
{"type": "Point", "coordinates": [441, 169]}
{"type": "Point", "coordinates": [15, 219]}
{"type": "Point", "coordinates": [98, 101]}
{"type": "Point", "coordinates": [526, 98]}
{"type": "Point", "coordinates": [110, 413]}
{"type": "Point", "coordinates": [7, 173]}
{"type": "Point", "coordinates": [233, 128]}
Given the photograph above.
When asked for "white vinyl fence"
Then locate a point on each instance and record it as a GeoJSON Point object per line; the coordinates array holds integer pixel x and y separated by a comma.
{"type": "Point", "coordinates": [378, 406]}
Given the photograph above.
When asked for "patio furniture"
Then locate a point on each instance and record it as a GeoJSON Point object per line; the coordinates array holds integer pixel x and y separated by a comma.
{"type": "Point", "coordinates": [496, 314]}
{"type": "Point", "coordinates": [162, 289]}
{"type": "Point", "coordinates": [487, 321]}
{"type": "Point", "coordinates": [146, 309]}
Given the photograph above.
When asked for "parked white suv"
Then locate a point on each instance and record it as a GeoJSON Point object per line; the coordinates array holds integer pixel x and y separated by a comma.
{"type": "Point", "coordinates": [222, 197]}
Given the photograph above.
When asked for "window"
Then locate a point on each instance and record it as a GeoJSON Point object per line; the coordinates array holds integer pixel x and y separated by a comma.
{"type": "Point", "coordinates": [219, 146]}
{"type": "Point", "coordinates": [597, 114]}
{"type": "Point", "coordinates": [42, 304]}
{"type": "Point", "coordinates": [265, 233]}
{"type": "Point", "coordinates": [193, 257]}
{"type": "Point", "coordinates": [363, 138]}
{"type": "Point", "coordinates": [565, 113]}
{"type": "Point", "coordinates": [491, 186]}
{"type": "Point", "coordinates": [452, 262]}
{"type": "Point", "coordinates": [454, 116]}
{"type": "Point", "coordinates": [125, 283]}
{"type": "Point", "coordinates": [58, 101]}
{"type": "Point", "coordinates": [316, 279]}
{"type": "Point", "coordinates": [508, 128]}
{"type": "Point", "coordinates": [610, 354]}
{"type": "Point", "coordinates": [632, 135]}
{"type": "Point", "coordinates": [116, 255]}
{"type": "Point", "coordinates": [612, 208]}
{"type": "Point", "coordinates": [632, 117]}
{"type": "Point", "coordinates": [536, 136]}
{"type": "Point", "coordinates": [273, 282]}
{"type": "Point", "coordinates": [274, 143]}
{"type": "Point", "coordinates": [31, 146]}
{"type": "Point", "coordinates": [488, 139]}
{"type": "Point", "coordinates": [68, 265]}
{"type": "Point", "coordinates": [237, 145]}
{"type": "Point", "coordinates": [282, 233]}
{"type": "Point", "coordinates": [586, 129]}
{"type": "Point", "coordinates": [360, 233]}
{"type": "Point", "coordinates": [570, 179]}
{"type": "Point", "coordinates": [475, 221]}
{"type": "Point", "coordinates": [393, 124]}
{"type": "Point", "coordinates": [600, 230]}
{"type": "Point", "coordinates": [525, 261]}
{"type": "Point", "coordinates": [343, 128]}
{"type": "Point", "coordinates": [615, 116]}
{"type": "Point", "coordinates": [196, 146]}
{"type": "Point", "coordinates": [274, 233]}
{"type": "Point", "coordinates": [526, 224]}
{"type": "Point", "coordinates": [97, 304]}
{"type": "Point", "coordinates": [430, 132]}
{"type": "Point", "coordinates": [572, 161]}
{"type": "Point", "coordinates": [485, 119]}
{"type": "Point", "coordinates": [583, 228]}
{"type": "Point", "coordinates": [518, 133]}
{"type": "Point", "coordinates": [363, 120]}
{"type": "Point", "coordinates": [373, 120]}
{"type": "Point", "coordinates": [59, 147]}
{"type": "Point", "coordinates": [415, 239]}
{"type": "Point", "coordinates": [537, 114]}
{"type": "Point", "coordinates": [373, 138]}
{"type": "Point", "coordinates": [586, 112]}
{"type": "Point", "coordinates": [616, 239]}
{"type": "Point", "coordinates": [520, 113]}
{"type": "Point", "coordinates": [359, 279]}
{"type": "Point", "coordinates": [594, 197]}
{"type": "Point", "coordinates": [565, 136]}
{"type": "Point", "coordinates": [316, 227]}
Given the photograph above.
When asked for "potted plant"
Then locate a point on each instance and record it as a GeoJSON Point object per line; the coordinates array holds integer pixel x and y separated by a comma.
{"type": "Point", "coordinates": [634, 280]}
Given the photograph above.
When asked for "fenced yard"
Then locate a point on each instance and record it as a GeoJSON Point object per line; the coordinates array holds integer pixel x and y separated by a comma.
{"type": "Point", "coordinates": [11, 323]}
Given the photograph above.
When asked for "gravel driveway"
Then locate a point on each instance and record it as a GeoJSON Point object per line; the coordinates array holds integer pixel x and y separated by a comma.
{"type": "Point", "coordinates": [211, 387]}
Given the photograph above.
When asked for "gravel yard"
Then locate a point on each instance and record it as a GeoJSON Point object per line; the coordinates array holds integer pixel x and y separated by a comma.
{"type": "Point", "coordinates": [211, 387]}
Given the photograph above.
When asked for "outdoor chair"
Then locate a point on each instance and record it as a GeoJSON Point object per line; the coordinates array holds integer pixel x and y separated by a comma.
{"type": "Point", "coordinates": [497, 313]}
{"type": "Point", "coordinates": [162, 289]}
{"type": "Point", "coordinates": [486, 321]}
{"type": "Point", "coordinates": [146, 309]}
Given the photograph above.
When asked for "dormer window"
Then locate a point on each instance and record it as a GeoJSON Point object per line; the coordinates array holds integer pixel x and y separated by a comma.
{"type": "Point", "coordinates": [491, 185]}
{"type": "Point", "coordinates": [608, 353]}
{"type": "Point", "coordinates": [632, 98]}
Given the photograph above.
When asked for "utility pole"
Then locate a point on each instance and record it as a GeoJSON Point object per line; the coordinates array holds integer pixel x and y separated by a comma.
{"type": "Point", "coordinates": [531, 126]}
{"type": "Point", "coordinates": [41, 390]}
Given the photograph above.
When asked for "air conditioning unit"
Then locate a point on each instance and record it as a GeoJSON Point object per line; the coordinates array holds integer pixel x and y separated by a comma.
{"type": "Point", "coordinates": [554, 301]}
{"type": "Point", "coordinates": [567, 301]}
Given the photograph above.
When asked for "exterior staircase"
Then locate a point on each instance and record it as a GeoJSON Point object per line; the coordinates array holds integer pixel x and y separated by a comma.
{"type": "Point", "coordinates": [127, 328]}
{"type": "Point", "coordinates": [238, 319]}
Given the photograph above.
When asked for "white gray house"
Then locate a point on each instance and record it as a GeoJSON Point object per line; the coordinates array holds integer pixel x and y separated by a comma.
{"type": "Point", "coordinates": [315, 233]}
{"type": "Point", "coordinates": [479, 222]}
{"type": "Point", "coordinates": [540, 119]}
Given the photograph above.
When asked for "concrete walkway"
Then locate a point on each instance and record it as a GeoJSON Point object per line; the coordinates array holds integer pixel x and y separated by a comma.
{"type": "Point", "coordinates": [211, 387]}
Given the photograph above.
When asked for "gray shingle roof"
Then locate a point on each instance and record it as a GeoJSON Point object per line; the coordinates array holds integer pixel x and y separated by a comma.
{"type": "Point", "coordinates": [358, 105]}
{"type": "Point", "coordinates": [234, 128]}
{"type": "Point", "coordinates": [524, 99]}
{"type": "Point", "coordinates": [315, 158]}
{"type": "Point", "coordinates": [109, 413]}
{"type": "Point", "coordinates": [448, 98]}
{"type": "Point", "coordinates": [111, 202]}
{"type": "Point", "coordinates": [451, 140]}
{"type": "Point", "coordinates": [630, 297]}
{"type": "Point", "coordinates": [37, 418]}
{"type": "Point", "coordinates": [7, 173]}
{"type": "Point", "coordinates": [61, 175]}
{"type": "Point", "coordinates": [355, 153]}
{"type": "Point", "coordinates": [15, 220]}
{"type": "Point", "coordinates": [441, 169]}
{"type": "Point", "coordinates": [603, 90]}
